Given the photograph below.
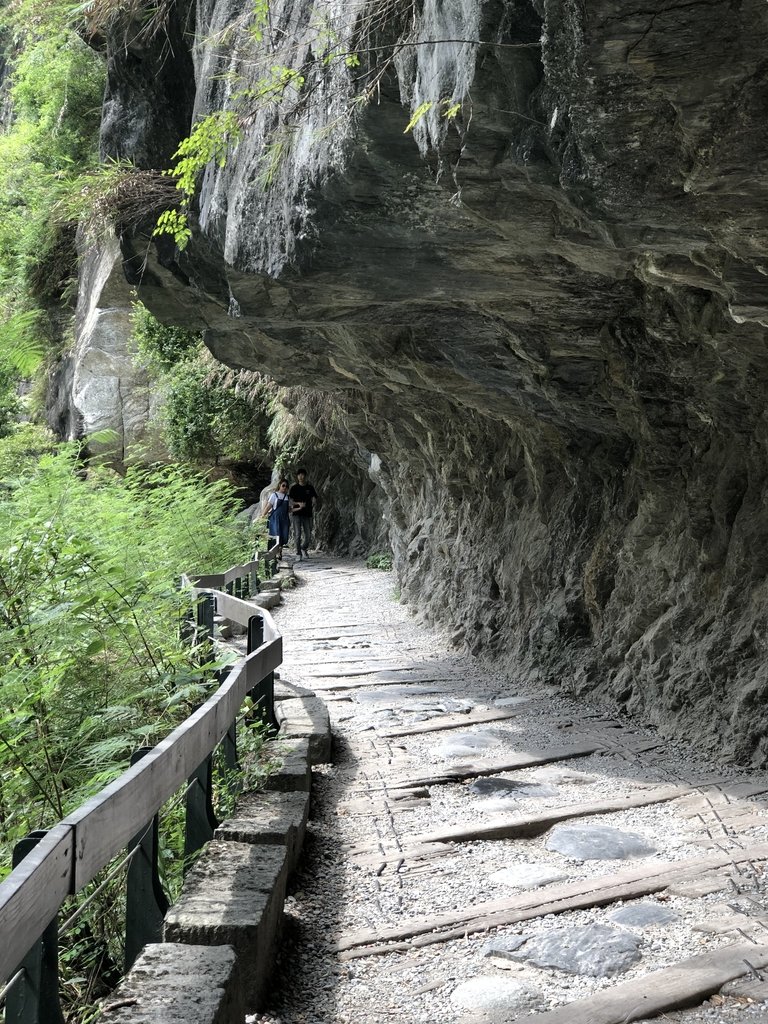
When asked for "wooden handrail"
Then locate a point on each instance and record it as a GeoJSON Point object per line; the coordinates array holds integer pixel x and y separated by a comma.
{"type": "Point", "coordinates": [216, 580]}
{"type": "Point", "coordinates": [77, 848]}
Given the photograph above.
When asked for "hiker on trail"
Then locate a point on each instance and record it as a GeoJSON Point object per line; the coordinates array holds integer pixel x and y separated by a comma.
{"type": "Point", "coordinates": [279, 520]}
{"type": "Point", "coordinates": [302, 495]}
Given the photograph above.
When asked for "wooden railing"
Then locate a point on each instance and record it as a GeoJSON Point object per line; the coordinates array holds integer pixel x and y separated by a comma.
{"type": "Point", "coordinates": [60, 862]}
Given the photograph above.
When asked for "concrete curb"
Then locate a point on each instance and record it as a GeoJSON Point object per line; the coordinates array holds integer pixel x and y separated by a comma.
{"type": "Point", "coordinates": [220, 939]}
{"type": "Point", "coordinates": [175, 984]}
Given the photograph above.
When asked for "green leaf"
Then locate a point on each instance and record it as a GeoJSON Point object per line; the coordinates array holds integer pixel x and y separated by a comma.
{"type": "Point", "coordinates": [418, 114]}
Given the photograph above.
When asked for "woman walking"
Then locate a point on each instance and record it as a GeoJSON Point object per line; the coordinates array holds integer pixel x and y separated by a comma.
{"type": "Point", "coordinates": [279, 521]}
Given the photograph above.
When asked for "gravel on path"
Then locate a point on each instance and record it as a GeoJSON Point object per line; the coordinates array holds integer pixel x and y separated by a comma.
{"type": "Point", "coordinates": [347, 636]}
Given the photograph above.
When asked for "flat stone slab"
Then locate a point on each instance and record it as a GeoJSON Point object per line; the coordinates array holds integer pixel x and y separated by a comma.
{"type": "Point", "coordinates": [489, 992]}
{"type": "Point", "coordinates": [267, 599]}
{"type": "Point", "coordinates": [438, 707]}
{"type": "Point", "coordinates": [460, 744]}
{"type": "Point", "coordinates": [597, 842]}
{"type": "Point", "coordinates": [643, 915]}
{"type": "Point", "coordinates": [511, 789]}
{"type": "Point", "coordinates": [394, 694]}
{"type": "Point", "coordinates": [527, 876]}
{"type": "Point", "coordinates": [307, 718]}
{"type": "Point", "coordinates": [501, 948]}
{"type": "Point", "coordinates": [289, 767]}
{"type": "Point", "coordinates": [562, 776]}
{"type": "Point", "coordinates": [234, 896]}
{"type": "Point", "coordinates": [178, 984]}
{"type": "Point", "coordinates": [269, 818]}
{"type": "Point", "coordinates": [594, 950]}
{"type": "Point", "coordinates": [287, 691]}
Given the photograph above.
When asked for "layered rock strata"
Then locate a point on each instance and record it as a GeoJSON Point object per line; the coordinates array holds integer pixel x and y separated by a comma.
{"type": "Point", "coordinates": [546, 344]}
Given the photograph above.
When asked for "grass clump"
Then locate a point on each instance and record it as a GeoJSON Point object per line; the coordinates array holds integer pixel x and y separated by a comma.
{"type": "Point", "coordinates": [379, 560]}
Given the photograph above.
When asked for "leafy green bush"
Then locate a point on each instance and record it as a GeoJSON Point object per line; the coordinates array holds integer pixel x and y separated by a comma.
{"type": "Point", "coordinates": [56, 88]}
{"type": "Point", "coordinates": [209, 411]}
{"type": "Point", "coordinates": [21, 450]}
{"type": "Point", "coordinates": [379, 560]}
{"type": "Point", "coordinates": [9, 403]}
{"type": "Point", "coordinates": [91, 662]}
{"type": "Point", "coordinates": [160, 347]}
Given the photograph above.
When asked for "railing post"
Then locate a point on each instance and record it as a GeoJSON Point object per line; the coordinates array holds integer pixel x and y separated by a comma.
{"type": "Point", "coordinates": [229, 766]}
{"type": "Point", "coordinates": [204, 613]}
{"type": "Point", "coordinates": [253, 577]}
{"type": "Point", "coordinates": [34, 999]}
{"type": "Point", "coordinates": [201, 820]}
{"type": "Point", "coordinates": [145, 902]}
{"type": "Point", "coordinates": [186, 620]}
{"type": "Point", "coordinates": [263, 693]}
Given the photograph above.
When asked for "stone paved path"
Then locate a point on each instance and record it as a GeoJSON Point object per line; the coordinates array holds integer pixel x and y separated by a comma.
{"type": "Point", "coordinates": [484, 851]}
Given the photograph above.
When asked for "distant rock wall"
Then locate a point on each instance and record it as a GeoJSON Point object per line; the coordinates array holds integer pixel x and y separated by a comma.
{"type": "Point", "coordinates": [547, 345]}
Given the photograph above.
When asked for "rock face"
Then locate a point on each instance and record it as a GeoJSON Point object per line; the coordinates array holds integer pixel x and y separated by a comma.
{"type": "Point", "coordinates": [100, 387]}
{"type": "Point", "coordinates": [549, 357]}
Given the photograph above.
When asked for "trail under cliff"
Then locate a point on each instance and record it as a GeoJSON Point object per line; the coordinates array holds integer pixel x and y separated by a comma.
{"type": "Point", "coordinates": [533, 341]}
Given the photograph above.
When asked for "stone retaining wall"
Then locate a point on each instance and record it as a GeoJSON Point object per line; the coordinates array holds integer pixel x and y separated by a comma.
{"type": "Point", "coordinates": [220, 939]}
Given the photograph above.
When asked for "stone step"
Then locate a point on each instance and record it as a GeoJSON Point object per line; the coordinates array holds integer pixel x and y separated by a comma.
{"type": "Point", "coordinates": [234, 896]}
{"type": "Point", "coordinates": [173, 983]}
{"type": "Point", "coordinates": [269, 819]}
{"type": "Point", "coordinates": [289, 758]}
{"type": "Point", "coordinates": [306, 718]}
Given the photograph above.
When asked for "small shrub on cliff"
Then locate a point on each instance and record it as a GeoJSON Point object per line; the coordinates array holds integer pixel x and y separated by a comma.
{"type": "Point", "coordinates": [209, 411]}
{"type": "Point", "coordinates": [379, 560]}
{"type": "Point", "coordinates": [207, 418]}
{"type": "Point", "coordinates": [159, 346]}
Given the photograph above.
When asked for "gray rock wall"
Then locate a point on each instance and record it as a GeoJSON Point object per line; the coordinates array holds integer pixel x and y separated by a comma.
{"type": "Point", "coordinates": [548, 343]}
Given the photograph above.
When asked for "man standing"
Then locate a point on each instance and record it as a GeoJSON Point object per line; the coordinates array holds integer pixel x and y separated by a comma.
{"type": "Point", "coordinates": [302, 495]}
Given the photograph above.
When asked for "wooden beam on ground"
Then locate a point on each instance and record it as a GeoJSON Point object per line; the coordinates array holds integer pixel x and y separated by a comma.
{"type": "Point", "coordinates": [536, 824]}
{"type": "Point", "coordinates": [687, 983]}
{"type": "Point", "coordinates": [487, 766]}
{"type": "Point", "coordinates": [381, 679]}
{"type": "Point", "coordinates": [457, 721]}
{"type": "Point", "coordinates": [555, 899]}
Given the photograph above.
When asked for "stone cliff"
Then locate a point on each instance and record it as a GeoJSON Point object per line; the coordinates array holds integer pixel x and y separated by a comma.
{"type": "Point", "coordinates": [537, 331]}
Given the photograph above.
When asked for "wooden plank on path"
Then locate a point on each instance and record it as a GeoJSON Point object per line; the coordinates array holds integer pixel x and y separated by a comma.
{"type": "Point", "coordinates": [687, 983]}
{"type": "Point", "coordinates": [536, 824]}
{"type": "Point", "coordinates": [556, 899]}
{"type": "Point", "coordinates": [391, 666]}
{"type": "Point", "coordinates": [330, 659]}
{"type": "Point", "coordinates": [442, 722]}
{"type": "Point", "coordinates": [487, 766]}
{"type": "Point", "coordinates": [384, 679]}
